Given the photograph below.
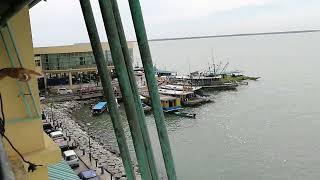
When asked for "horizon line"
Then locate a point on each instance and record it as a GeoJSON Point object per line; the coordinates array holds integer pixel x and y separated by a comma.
{"type": "Point", "coordinates": [233, 35]}
{"type": "Point", "coordinates": [207, 36]}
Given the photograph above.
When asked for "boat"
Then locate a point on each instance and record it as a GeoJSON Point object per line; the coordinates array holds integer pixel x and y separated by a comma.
{"type": "Point", "coordinates": [170, 105]}
{"type": "Point", "coordinates": [187, 94]}
{"type": "Point", "coordinates": [206, 82]}
{"type": "Point", "coordinates": [185, 114]}
{"type": "Point", "coordinates": [99, 108]}
{"type": "Point", "coordinates": [146, 108]}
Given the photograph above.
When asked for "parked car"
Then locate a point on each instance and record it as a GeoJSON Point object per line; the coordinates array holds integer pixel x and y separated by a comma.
{"type": "Point", "coordinates": [62, 143]}
{"type": "Point", "coordinates": [71, 158]}
{"type": "Point", "coordinates": [64, 91]}
{"type": "Point", "coordinates": [42, 98]}
{"type": "Point", "coordinates": [88, 175]}
{"type": "Point", "coordinates": [47, 127]}
{"type": "Point", "coordinates": [57, 135]}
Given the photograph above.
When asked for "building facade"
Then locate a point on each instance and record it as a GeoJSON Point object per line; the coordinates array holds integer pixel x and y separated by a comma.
{"type": "Point", "coordinates": [76, 56]}
{"type": "Point", "coordinates": [21, 105]}
{"type": "Point", "coordinates": [70, 65]}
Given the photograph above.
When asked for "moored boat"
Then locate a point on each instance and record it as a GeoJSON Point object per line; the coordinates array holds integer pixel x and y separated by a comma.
{"type": "Point", "coordinates": [214, 83]}
{"type": "Point", "coordinates": [99, 108]}
{"type": "Point", "coordinates": [185, 114]}
{"type": "Point", "coordinates": [186, 95]}
{"type": "Point", "coordinates": [171, 105]}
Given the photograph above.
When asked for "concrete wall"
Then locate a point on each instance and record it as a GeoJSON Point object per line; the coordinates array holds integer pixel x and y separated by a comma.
{"type": "Point", "coordinates": [24, 131]}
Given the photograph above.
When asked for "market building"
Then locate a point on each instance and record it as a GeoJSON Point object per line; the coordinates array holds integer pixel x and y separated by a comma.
{"type": "Point", "coordinates": [70, 65]}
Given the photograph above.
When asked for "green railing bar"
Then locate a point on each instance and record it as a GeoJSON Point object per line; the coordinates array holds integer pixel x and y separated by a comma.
{"type": "Point", "coordinates": [21, 64]}
{"type": "Point", "coordinates": [145, 54]}
{"type": "Point", "coordinates": [137, 100]}
{"type": "Point", "coordinates": [18, 120]}
{"type": "Point", "coordinates": [125, 87]}
{"type": "Point", "coordinates": [105, 77]}
{"type": "Point", "coordinates": [21, 93]}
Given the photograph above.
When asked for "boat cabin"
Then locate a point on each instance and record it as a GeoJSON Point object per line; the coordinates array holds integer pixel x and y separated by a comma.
{"type": "Point", "coordinates": [99, 108]}
{"type": "Point", "coordinates": [182, 95]}
{"type": "Point", "coordinates": [168, 103]}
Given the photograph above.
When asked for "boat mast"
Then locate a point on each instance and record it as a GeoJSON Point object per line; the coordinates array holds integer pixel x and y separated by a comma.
{"type": "Point", "coordinates": [214, 65]}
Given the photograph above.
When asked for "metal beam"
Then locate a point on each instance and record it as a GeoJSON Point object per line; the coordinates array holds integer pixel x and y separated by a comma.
{"type": "Point", "coordinates": [135, 92]}
{"type": "Point", "coordinates": [145, 54]}
{"type": "Point", "coordinates": [125, 86]}
{"type": "Point", "coordinates": [107, 86]}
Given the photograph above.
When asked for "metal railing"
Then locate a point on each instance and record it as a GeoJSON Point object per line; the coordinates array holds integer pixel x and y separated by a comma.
{"type": "Point", "coordinates": [124, 70]}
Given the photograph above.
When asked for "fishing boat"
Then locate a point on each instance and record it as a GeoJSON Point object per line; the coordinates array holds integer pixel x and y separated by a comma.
{"type": "Point", "coordinates": [206, 82]}
{"type": "Point", "coordinates": [99, 108]}
{"type": "Point", "coordinates": [170, 105]}
{"type": "Point", "coordinates": [186, 95]}
{"type": "Point", "coordinates": [185, 114]}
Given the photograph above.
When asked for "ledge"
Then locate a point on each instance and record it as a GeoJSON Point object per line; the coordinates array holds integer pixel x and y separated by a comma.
{"type": "Point", "coordinates": [49, 155]}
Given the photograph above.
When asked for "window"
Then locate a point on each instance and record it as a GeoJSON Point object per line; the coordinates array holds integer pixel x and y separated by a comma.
{"type": "Point", "coordinates": [70, 158]}
{"type": "Point", "coordinates": [37, 62]}
{"type": "Point", "coordinates": [82, 61]}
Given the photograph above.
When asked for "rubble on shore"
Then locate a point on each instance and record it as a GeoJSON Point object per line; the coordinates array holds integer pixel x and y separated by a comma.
{"type": "Point", "coordinates": [62, 113]}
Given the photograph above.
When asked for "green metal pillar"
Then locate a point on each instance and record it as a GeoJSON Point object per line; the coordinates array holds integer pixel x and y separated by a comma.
{"type": "Point", "coordinates": [135, 92]}
{"type": "Point", "coordinates": [152, 86]}
{"type": "Point", "coordinates": [125, 86]}
{"type": "Point", "coordinates": [107, 86]}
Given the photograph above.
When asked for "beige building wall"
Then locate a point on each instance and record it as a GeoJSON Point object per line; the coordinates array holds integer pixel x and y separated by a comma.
{"type": "Point", "coordinates": [24, 130]}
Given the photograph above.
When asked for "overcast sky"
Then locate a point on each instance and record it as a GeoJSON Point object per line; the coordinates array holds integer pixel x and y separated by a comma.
{"type": "Point", "coordinates": [60, 22]}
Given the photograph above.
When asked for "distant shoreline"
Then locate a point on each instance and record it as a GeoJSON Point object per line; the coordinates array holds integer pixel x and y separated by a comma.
{"type": "Point", "coordinates": [233, 35]}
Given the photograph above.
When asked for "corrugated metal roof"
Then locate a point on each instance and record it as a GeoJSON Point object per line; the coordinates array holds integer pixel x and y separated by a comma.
{"type": "Point", "coordinates": [79, 47]}
{"type": "Point", "coordinates": [61, 171]}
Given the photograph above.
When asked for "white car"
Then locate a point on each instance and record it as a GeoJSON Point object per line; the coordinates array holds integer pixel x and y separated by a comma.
{"type": "Point", "coordinates": [42, 98]}
{"type": "Point", "coordinates": [56, 135]}
{"type": "Point", "coordinates": [71, 158]}
{"type": "Point", "coordinates": [64, 91]}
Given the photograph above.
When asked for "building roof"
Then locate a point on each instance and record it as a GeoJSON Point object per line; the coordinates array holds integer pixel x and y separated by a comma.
{"type": "Point", "coordinates": [174, 92]}
{"type": "Point", "coordinates": [167, 98]}
{"type": "Point", "coordinates": [78, 47]}
{"type": "Point", "coordinates": [162, 97]}
{"type": "Point", "coordinates": [60, 171]}
{"type": "Point", "coordinates": [180, 87]}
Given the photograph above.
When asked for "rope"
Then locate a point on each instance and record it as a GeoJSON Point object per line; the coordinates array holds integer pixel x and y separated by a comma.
{"type": "Point", "coordinates": [32, 166]}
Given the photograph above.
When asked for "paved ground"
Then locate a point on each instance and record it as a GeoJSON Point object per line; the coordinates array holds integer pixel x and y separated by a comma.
{"type": "Point", "coordinates": [85, 164]}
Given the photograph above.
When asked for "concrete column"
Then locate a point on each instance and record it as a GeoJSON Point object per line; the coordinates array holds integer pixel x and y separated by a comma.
{"type": "Point", "coordinates": [70, 79]}
{"type": "Point", "coordinates": [45, 81]}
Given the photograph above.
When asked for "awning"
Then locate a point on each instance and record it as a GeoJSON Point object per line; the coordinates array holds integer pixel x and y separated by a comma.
{"type": "Point", "coordinates": [61, 171]}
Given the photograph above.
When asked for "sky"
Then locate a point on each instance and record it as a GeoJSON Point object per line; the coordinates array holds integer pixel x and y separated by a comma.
{"type": "Point", "coordinates": [60, 22]}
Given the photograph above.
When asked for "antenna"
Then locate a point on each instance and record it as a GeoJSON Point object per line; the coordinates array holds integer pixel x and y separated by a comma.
{"type": "Point", "coordinates": [189, 66]}
{"type": "Point", "coordinates": [224, 68]}
{"type": "Point", "coordinates": [214, 66]}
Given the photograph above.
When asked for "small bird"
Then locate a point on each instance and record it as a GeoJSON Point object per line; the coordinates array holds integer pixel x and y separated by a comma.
{"type": "Point", "coordinates": [21, 74]}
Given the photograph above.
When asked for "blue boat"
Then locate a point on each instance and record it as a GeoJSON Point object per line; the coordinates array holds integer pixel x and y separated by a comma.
{"type": "Point", "coordinates": [99, 108]}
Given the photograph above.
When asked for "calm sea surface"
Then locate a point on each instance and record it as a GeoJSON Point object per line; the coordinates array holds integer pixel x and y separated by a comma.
{"type": "Point", "coordinates": [267, 130]}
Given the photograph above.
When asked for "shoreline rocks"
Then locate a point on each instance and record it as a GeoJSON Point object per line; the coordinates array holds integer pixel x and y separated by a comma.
{"type": "Point", "coordinates": [62, 114]}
